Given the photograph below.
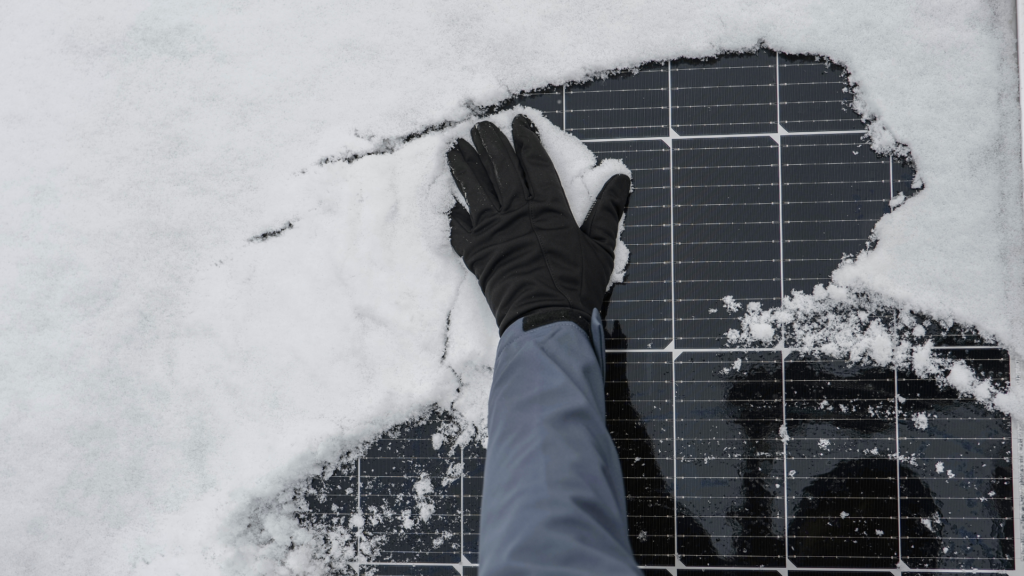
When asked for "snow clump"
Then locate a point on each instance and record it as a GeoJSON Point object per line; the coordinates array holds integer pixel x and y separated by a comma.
{"type": "Point", "coordinates": [837, 322]}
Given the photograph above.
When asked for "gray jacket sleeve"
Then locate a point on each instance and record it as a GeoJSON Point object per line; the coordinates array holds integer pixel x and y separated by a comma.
{"type": "Point", "coordinates": [553, 497]}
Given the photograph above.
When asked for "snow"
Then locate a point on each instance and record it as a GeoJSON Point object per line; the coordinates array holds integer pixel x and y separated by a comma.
{"type": "Point", "coordinates": [166, 381]}
{"type": "Point", "coordinates": [841, 323]}
{"type": "Point", "coordinates": [920, 421]}
{"type": "Point", "coordinates": [423, 487]}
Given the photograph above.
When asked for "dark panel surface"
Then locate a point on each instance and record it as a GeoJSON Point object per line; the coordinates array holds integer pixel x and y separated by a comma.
{"type": "Point", "coordinates": [834, 189]}
{"type": "Point", "coordinates": [842, 488]}
{"type": "Point", "coordinates": [623, 106]}
{"type": "Point", "coordinates": [815, 96]}
{"type": "Point", "coordinates": [638, 313]}
{"type": "Point", "coordinates": [956, 496]}
{"type": "Point", "coordinates": [549, 101]}
{"type": "Point", "coordinates": [405, 570]}
{"type": "Point", "coordinates": [903, 178]}
{"type": "Point", "coordinates": [726, 233]}
{"type": "Point", "coordinates": [726, 95]}
{"type": "Point", "coordinates": [472, 490]}
{"type": "Point", "coordinates": [730, 465]}
{"type": "Point", "coordinates": [422, 525]}
{"type": "Point", "coordinates": [638, 398]}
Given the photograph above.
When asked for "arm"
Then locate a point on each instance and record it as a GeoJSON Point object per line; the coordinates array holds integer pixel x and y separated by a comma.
{"type": "Point", "coordinates": [553, 499]}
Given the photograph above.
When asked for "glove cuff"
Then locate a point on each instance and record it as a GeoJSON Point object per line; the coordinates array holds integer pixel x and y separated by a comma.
{"type": "Point", "coordinates": [552, 315]}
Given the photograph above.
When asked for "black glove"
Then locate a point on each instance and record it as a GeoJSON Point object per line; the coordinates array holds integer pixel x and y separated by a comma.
{"type": "Point", "coordinates": [519, 237]}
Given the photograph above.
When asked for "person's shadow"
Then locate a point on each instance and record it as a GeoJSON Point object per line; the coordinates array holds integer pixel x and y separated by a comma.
{"type": "Point", "coordinates": [649, 492]}
{"type": "Point", "coordinates": [752, 533]}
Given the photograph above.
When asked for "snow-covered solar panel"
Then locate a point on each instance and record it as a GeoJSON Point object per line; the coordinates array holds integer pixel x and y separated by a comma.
{"type": "Point", "coordinates": [752, 178]}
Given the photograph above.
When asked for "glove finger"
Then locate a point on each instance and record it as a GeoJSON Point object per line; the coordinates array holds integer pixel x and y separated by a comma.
{"type": "Point", "coordinates": [472, 180]}
{"type": "Point", "coordinates": [541, 177]}
{"type": "Point", "coordinates": [461, 229]}
{"type": "Point", "coordinates": [602, 224]}
{"type": "Point", "coordinates": [501, 164]}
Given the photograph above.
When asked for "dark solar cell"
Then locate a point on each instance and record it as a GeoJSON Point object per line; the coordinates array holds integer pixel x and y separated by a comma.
{"type": "Point", "coordinates": [405, 570]}
{"type": "Point", "coordinates": [842, 488]}
{"type": "Point", "coordinates": [956, 496]}
{"type": "Point", "coordinates": [838, 573]}
{"type": "Point", "coordinates": [389, 472]}
{"type": "Point", "coordinates": [814, 95]}
{"type": "Point", "coordinates": [730, 468]}
{"type": "Point", "coordinates": [736, 460]}
{"type": "Point", "coordinates": [834, 189]}
{"type": "Point", "coordinates": [726, 233]}
{"type": "Point", "coordinates": [548, 100]}
{"type": "Point", "coordinates": [638, 314]}
{"type": "Point", "coordinates": [944, 333]}
{"type": "Point", "coordinates": [973, 573]}
{"type": "Point", "coordinates": [625, 106]}
{"type": "Point", "coordinates": [718, 572]}
{"type": "Point", "coordinates": [638, 399]}
{"type": "Point", "coordinates": [331, 502]}
{"type": "Point", "coordinates": [726, 95]}
{"type": "Point", "coordinates": [903, 178]}
{"type": "Point", "coordinates": [472, 490]}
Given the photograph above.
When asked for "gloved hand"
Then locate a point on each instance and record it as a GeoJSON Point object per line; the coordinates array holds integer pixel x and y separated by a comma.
{"type": "Point", "coordinates": [519, 237]}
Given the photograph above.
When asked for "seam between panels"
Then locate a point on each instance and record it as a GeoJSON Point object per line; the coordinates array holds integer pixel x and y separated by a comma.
{"type": "Point", "coordinates": [899, 510]}
{"type": "Point", "coordinates": [672, 307]}
{"type": "Point", "coordinates": [782, 331]}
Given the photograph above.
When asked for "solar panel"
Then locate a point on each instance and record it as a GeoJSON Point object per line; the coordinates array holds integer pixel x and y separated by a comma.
{"type": "Point", "coordinates": [752, 178]}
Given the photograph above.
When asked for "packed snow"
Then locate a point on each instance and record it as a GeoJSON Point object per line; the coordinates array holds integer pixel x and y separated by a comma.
{"type": "Point", "coordinates": [225, 265]}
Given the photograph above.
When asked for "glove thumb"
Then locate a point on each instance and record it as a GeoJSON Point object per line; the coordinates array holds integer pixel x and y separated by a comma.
{"type": "Point", "coordinates": [602, 224]}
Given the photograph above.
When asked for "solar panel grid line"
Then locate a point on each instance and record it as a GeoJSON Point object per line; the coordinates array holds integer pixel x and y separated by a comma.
{"type": "Point", "coordinates": [563, 107]}
{"type": "Point", "coordinates": [676, 136]}
{"type": "Point", "coordinates": [782, 259]}
{"type": "Point", "coordinates": [359, 500]}
{"type": "Point", "coordinates": [1017, 484]}
{"type": "Point", "coordinates": [462, 503]}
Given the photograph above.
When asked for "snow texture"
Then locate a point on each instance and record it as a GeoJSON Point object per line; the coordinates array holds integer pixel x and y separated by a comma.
{"type": "Point", "coordinates": [224, 265]}
{"type": "Point", "coordinates": [920, 421]}
{"type": "Point", "coordinates": [837, 322]}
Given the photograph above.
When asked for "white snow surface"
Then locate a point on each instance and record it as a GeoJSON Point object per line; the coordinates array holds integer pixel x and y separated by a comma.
{"type": "Point", "coordinates": [162, 376]}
